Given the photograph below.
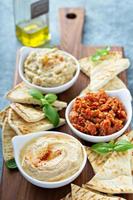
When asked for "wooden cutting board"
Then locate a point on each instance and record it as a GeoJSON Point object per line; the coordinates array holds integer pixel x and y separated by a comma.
{"type": "Point", "coordinates": [13, 185]}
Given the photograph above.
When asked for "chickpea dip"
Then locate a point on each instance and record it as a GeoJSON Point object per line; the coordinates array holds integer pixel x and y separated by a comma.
{"type": "Point", "coordinates": [49, 67]}
{"type": "Point", "coordinates": [52, 158]}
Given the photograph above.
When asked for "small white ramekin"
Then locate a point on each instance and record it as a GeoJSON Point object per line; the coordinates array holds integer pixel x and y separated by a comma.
{"type": "Point", "coordinates": [21, 140]}
{"type": "Point", "coordinates": [24, 52]}
{"type": "Point", "coordinates": [125, 97]}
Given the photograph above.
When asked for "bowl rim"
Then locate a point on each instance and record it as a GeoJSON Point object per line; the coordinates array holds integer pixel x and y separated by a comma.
{"type": "Point", "coordinates": [68, 109]}
{"type": "Point", "coordinates": [21, 73]}
{"type": "Point", "coordinates": [53, 183]}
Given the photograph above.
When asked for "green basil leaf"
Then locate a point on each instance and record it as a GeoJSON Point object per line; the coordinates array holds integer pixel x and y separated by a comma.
{"type": "Point", "coordinates": [36, 94]}
{"type": "Point", "coordinates": [112, 142]}
{"type": "Point", "coordinates": [123, 145]}
{"type": "Point", "coordinates": [103, 144]}
{"type": "Point", "coordinates": [103, 52]}
{"type": "Point", "coordinates": [95, 57]}
{"type": "Point", "coordinates": [11, 164]}
{"type": "Point", "coordinates": [52, 114]}
{"type": "Point", "coordinates": [121, 148]}
{"type": "Point", "coordinates": [44, 101]}
{"type": "Point", "coordinates": [51, 98]}
{"type": "Point", "coordinates": [102, 148]}
{"type": "Point", "coordinates": [99, 53]}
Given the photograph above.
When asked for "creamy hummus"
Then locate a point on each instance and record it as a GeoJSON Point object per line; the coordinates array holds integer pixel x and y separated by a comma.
{"type": "Point", "coordinates": [49, 68]}
{"type": "Point", "coordinates": [51, 157]}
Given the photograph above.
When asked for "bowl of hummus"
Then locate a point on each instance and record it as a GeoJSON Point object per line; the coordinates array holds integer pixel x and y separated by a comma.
{"type": "Point", "coordinates": [48, 70]}
{"type": "Point", "coordinates": [49, 159]}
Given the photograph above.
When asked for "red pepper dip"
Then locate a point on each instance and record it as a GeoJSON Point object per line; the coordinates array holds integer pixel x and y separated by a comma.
{"type": "Point", "coordinates": [98, 114]}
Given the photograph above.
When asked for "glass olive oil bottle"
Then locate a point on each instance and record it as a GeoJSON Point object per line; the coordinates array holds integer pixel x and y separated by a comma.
{"type": "Point", "coordinates": [32, 21]}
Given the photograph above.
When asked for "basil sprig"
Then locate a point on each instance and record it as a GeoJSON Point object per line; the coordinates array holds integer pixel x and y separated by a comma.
{"type": "Point", "coordinates": [119, 146]}
{"type": "Point", "coordinates": [11, 164]}
{"type": "Point", "coordinates": [99, 53]}
{"type": "Point", "coordinates": [46, 102]}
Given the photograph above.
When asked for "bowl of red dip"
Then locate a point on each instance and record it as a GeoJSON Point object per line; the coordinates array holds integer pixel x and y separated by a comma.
{"type": "Point", "coordinates": [100, 116]}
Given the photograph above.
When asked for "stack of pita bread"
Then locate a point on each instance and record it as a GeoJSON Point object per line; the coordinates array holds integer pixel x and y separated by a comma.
{"type": "Point", "coordinates": [103, 74]}
{"type": "Point", "coordinates": [80, 193]}
{"type": "Point", "coordinates": [113, 175]}
{"type": "Point", "coordinates": [23, 116]}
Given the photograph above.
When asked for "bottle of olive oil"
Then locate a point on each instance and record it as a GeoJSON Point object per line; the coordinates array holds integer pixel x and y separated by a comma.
{"type": "Point", "coordinates": [32, 21]}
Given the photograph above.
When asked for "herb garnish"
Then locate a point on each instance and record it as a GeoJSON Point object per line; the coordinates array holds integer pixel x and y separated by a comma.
{"type": "Point", "coordinates": [120, 146]}
{"type": "Point", "coordinates": [46, 102]}
{"type": "Point", "coordinates": [99, 53]}
{"type": "Point", "coordinates": [11, 164]}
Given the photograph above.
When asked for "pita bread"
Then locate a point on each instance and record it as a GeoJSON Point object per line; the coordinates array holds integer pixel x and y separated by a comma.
{"type": "Point", "coordinates": [85, 63]}
{"type": "Point", "coordinates": [20, 126]}
{"type": "Point", "coordinates": [3, 114]}
{"type": "Point", "coordinates": [67, 197]}
{"type": "Point", "coordinates": [102, 73]}
{"type": "Point", "coordinates": [130, 137]}
{"type": "Point", "coordinates": [79, 193]}
{"type": "Point", "coordinates": [96, 160]}
{"type": "Point", "coordinates": [29, 113]}
{"type": "Point", "coordinates": [7, 135]}
{"type": "Point", "coordinates": [115, 175]}
{"type": "Point", "coordinates": [113, 84]}
{"type": "Point", "coordinates": [20, 94]}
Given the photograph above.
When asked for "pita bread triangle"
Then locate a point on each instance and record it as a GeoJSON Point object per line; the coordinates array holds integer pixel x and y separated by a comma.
{"type": "Point", "coordinates": [20, 94]}
{"type": "Point", "coordinates": [20, 126]}
{"type": "Point", "coordinates": [29, 113]}
{"type": "Point", "coordinates": [7, 134]}
{"type": "Point", "coordinates": [115, 175]}
{"type": "Point", "coordinates": [102, 73]}
{"type": "Point", "coordinates": [79, 193]}
{"type": "Point", "coordinates": [96, 160]}
{"type": "Point", "coordinates": [113, 84]}
{"type": "Point", "coordinates": [3, 114]}
{"type": "Point", "coordinates": [85, 63]}
{"type": "Point", "coordinates": [130, 137]}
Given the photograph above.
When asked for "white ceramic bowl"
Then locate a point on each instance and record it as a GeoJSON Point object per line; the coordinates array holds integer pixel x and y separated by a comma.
{"type": "Point", "coordinates": [24, 51]}
{"type": "Point", "coordinates": [125, 97]}
{"type": "Point", "coordinates": [20, 141]}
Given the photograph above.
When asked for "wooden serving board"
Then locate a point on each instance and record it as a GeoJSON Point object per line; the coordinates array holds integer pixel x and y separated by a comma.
{"type": "Point", "coordinates": [13, 185]}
